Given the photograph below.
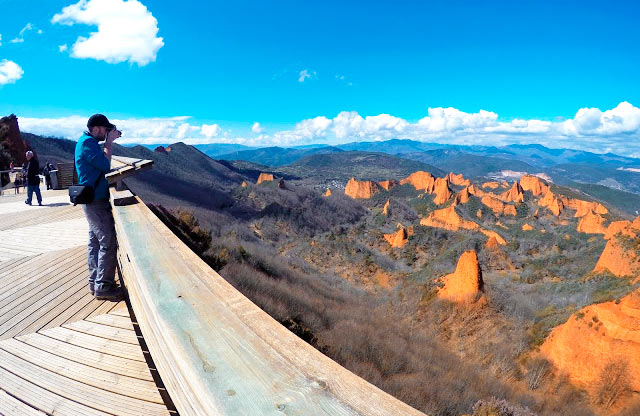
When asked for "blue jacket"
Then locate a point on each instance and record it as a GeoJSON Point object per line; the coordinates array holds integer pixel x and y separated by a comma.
{"type": "Point", "coordinates": [91, 163]}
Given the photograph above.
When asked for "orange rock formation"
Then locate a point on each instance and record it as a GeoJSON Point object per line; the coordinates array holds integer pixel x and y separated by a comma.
{"type": "Point", "coordinates": [495, 257]}
{"type": "Point", "coordinates": [515, 194]}
{"type": "Point", "coordinates": [534, 185]}
{"type": "Point", "coordinates": [621, 255]}
{"type": "Point", "coordinates": [616, 227]}
{"type": "Point", "coordinates": [527, 227]}
{"type": "Point", "coordinates": [582, 208]}
{"type": "Point", "coordinates": [327, 192]}
{"type": "Point", "coordinates": [385, 209]}
{"type": "Point", "coordinates": [457, 179]}
{"type": "Point", "coordinates": [592, 223]}
{"type": "Point", "coordinates": [473, 190]}
{"type": "Point", "coordinates": [479, 213]}
{"type": "Point", "coordinates": [264, 177]}
{"type": "Point", "coordinates": [552, 202]}
{"type": "Point", "coordinates": [497, 206]}
{"type": "Point", "coordinates": [494, 235]}
{"type": "Point", "coordinates": [422, 181]}
{"type": "Point", "coordinates": [397, 239]}
{"type": "Point", "coordinates": [361, 189]}
{"type": "Point", "coordinates": [465, 283]}
{"type": "Point", "coordinates": [386, 185]}
{"type": "Point", "coordinates": [595, 337]}
{"type": "Point", "coordinates": [442, 191]}
{"type": "Point", "coordinates": [243, 184]}
{"type": "Point", "coordinates": [491, 185]}
{"type": "Point", "coordinates": [448, 219]}
{"type": "Point", "coordinates": [463, 196]}
{"type": "Point", "coordinates": [492, 244]}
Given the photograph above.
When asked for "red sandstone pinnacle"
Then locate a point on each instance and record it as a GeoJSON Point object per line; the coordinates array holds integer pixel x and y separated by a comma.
{"type": "Point", "coordinates": [386, 208]}
{"type": "Point", "coordinates": [442, 191]}
{"type": "Point", "coordinates": [555, 205]}
{"type": "Point", "coordinates": [534, 184]}
{"type": "Point", "coordinates": [361, 189]}
{"type": "Point", "coordinates": [458, 180]}
{"type": "Point", "coordinates": [397, 239]}
{"type": "Point", "coordinates": [388, 184]}
{"type": "Point", "coordinates": [515, 194]}
{"type": "Point", "coordinates": [422, 181]}
{"type": "Point", "coordinates": [465, 283]}
{"type": "Point", "coordinates": [327, 193]}
{"type": "Point", "coordinates": [592, 223]}
{"type": "Point", "coordinates": [463, 196]}
{"type": "Point", "coordinates": [264, 177]}
{"type": "Point", "coordinates": [618, 256]}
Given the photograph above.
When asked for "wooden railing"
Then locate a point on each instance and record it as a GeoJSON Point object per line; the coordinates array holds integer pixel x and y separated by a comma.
{"type": "Point", "coordinates": [217, 352]}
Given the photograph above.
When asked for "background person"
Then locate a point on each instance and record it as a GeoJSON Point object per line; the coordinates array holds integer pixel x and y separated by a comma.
{"type": "Point", "coordinates": [91, 165]}
{"type": "Point", "coordinates": [33, 178]}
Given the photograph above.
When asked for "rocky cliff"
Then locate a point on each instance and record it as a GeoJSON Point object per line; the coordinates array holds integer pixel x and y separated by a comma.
{"type": "Point", "coordinates": [361, 189]}
{"type": "Point", "coordinates": [596, 337]}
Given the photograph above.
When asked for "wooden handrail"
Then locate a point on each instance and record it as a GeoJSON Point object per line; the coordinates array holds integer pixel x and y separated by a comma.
{"type": "Point", "coordinates": [216, 351]}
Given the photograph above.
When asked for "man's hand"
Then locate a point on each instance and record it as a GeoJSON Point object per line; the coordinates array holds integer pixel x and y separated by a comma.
{"type": "Point", "coordinates": [112, 135]}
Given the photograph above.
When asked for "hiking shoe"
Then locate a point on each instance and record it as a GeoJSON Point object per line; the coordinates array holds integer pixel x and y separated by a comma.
{"type": "Point", "coordinates": [92, 288]}
{"type": "Point", "coordinates": [28, 203]}
{"type": "Point", "coordinates": [115, 294]}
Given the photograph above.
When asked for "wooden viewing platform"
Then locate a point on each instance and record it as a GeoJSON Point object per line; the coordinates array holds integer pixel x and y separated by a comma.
{"type": "Point", "coordinates": [63, 352]}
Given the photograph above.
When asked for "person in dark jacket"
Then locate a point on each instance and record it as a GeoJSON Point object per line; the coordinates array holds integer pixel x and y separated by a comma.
{"type": "Point", "coordinates": [91, 165]}
{"type": "Point", "coordinates": [33, 178]}
{"type": "Point", "coordinates": [47, 175]}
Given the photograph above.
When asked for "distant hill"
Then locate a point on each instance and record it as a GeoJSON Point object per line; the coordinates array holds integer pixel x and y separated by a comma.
{"type": "Point", "coordinates": [277, 156]}
{"type": "Point", "coordinates": [341, 166]}
{"type": "Point", "coordinates": [216, 149]}
{"type": "Point", "coordinates": [452, 160]}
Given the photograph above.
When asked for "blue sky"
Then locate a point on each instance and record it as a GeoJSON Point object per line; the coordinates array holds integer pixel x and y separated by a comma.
{"type": "Point", "coordinates": [326, 71]}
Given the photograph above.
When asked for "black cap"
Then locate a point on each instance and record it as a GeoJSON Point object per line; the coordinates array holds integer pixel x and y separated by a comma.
{"type": "Point", "coordinates": [99, 120]}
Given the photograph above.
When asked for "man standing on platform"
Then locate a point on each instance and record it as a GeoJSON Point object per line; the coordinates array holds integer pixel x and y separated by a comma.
{"type": "Point", "coordinates": [33, 178]}
{"type": "Point", "coordinates": [91, 165]}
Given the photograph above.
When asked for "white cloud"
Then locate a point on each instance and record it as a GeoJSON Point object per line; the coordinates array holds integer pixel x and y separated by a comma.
{"type": "Point", "coordinates": [127, 31]}
{"type": "Point", "coordinates": [63, 48]}
{"type": "Point", "coordinates": [25, 29]}
{"type": "Point", "coordinates": [306, 74]}
{"type": "Point", "coordinates": [616, 130]}
{"type": "Point", "coordinates": [40, 32]}
{"type": "Point", "coordinates": [0, 39]}
{"type": "Point", "coordinates": [210, 130]}
{"type": "Point", "coordinates": [10, 72]}
{"type": "Point", "coordinates": [256, 128]}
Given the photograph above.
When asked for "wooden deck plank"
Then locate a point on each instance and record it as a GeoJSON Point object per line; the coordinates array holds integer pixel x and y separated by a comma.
{"type": "Point", "coordinates": [41, 398]}
{"type": "Point", "coordinates": [113, 320]}
{"type": "Point", "coordinates": [127, 336]}
{"type": "Point", "coordinates": [79, 392]}
{"type": "Point", "coordinates": [118, 365]}
{"type": "Point", "coordinates": [60, 235]}
{"type": "Point", "coordinates": [33, 310]}
{"type": "Point", "coordinates": [10, 406]}
{"type": "Point", "coordinates": [106, 346]}
{"type": "Point", "coordinates": [39, 279]}
{"type": "Point", "coordinates": [92, 376]}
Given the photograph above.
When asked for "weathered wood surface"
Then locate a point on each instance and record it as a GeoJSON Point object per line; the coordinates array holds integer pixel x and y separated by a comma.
{"type": "Point", "coordinates": [217, 352]}
{"type": "Point", "coordinates": [123, 167]}
{"type": "Point", "coordinates": [62, 352]}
